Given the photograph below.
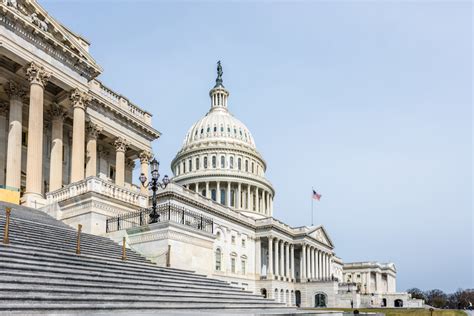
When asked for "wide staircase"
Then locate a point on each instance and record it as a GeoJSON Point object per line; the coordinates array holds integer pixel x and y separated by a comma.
{"type": "Point", "coordinates": [40, 271]}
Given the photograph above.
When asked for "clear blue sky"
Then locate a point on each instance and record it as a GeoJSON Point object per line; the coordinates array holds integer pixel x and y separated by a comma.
{"type": "Point", "coordinates": [370, 102]}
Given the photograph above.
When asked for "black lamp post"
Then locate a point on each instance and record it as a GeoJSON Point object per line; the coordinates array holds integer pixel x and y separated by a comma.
{"type": "Point", "coordinates": [153, 185]}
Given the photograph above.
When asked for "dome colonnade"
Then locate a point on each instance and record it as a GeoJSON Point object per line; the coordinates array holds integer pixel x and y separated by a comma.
{"type": "Point", "coordinates": [219, 160]}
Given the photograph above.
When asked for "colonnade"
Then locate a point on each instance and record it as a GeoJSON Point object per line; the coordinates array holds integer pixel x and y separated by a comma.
{"type": "Point", "coordinates": [315, 263]}
{"type": "Point", "coordinates": [281, 258]}
{"type": "Point", "coordinates": [237, 195]}
{"type": "Point", "coordinates": [81, 165]}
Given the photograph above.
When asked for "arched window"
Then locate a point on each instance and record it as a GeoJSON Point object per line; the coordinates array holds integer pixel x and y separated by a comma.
{"type": "Point", "coordinates": [197, 163]}
{"type": "Point", "coordinates": [320, 300]}
{"type": "Point", "coordinates": [213, 194]}
{"type": "Point", "coordinates": [190, 165]}
{"type": "Point", "coordinates": [215, 129]}
{"type": "Point", "coordinates": [246, 165]}
{"type": "Point", "coordinates": [218, 259]}
{"type": "Point", "coordinates": [184, 166]}
{"type": "Point", "coordinates": [222, 162]}
{"type": "Point", "coordinates": [205, 162]}
{"type": "Point", "coordinates": [223, 196]}
{"type": "Point", "coordinates": [239, 163]}
{"type": "Point", "coordinates": [231, 162]}
{"type": "Point", "coordinates": [253, 167]}
{"type": "Point", "coordinates": [214, 162]}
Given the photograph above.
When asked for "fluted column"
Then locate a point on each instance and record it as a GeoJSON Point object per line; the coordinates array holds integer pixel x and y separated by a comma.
{"type": "Point", "coordinates": [218, 192]}
{"type": "Point", "coordinates": [312, 262]}
{"type": "Point", "coordinates": [145, 157]}
{"type": "Point", "coordinates": [258, 258]}
{"type": "Point", "coordinates": [56, 163]}
{"type": "Point", "coordinates": [282, 258]}
{"type": "Point", "coordinates": [238, 196]}
{"type": "Point", "coordinates": [248, 198]}
{"type": "Point", "coordinates": [228, 194]}
{"type": "Point", "coordinates": [13, 167]}
{"type": "Point", "coordinates": [120, 148]}
{"type": "Point", "coordinates": [287, 258]}
{"type": "Point", "coordinates": [79, 102]}
{"type": "Point", "coordinates": [318, 276]}
{"type": "Point", "coordinates": [208, 194]}
{"type": "Point", "coordinates": [270, 257]}
{"type": "Point", "coordinates": [257, 202]}
{"type": "Point", "coordinates": [292, 259]}
{"type": "Point", "coordinates": [277, 257]}
{"type": "Point", "coordinates": [93, 131]}
{"type": "Point", "coordinates": [38, 77]}
{"type": "Point", "coordinates": [303, 262]}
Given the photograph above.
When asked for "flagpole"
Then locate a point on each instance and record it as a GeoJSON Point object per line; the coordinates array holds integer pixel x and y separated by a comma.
{"type": "Point", "coordinates": [312, 204]}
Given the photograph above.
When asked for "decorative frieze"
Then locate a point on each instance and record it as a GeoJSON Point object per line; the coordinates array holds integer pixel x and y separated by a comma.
{"type": "Point", "coordinates": [37, 74]}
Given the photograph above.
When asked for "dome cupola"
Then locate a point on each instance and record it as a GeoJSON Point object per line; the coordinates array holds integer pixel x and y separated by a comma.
{"type": "Point", "coordinates": [219, 159]}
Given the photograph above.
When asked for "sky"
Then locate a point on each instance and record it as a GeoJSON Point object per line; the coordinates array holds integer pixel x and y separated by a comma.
{"type": "Point", "coordinates": [369, 102]}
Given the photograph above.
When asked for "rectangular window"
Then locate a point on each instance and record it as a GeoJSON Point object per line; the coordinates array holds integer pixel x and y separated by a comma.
{"type": "Point", "coordinates": [213, 195]}
{"type": "Point", "coordinates": [205, 162]}
{"type": "Point", "coordinates": [197, 163]}
{"type": "Point", "coordinates": [222, 162]}
{"type": "Point", "coordinates": [233, 240]}
{"type": "Point", "coordinates": [232, 265]}
{"type": "Point", "coordinates": [243, 243]}
{"type": "Point", "coordinates": [214, 162]}
{"type": "Point", "coordinates": [243, 266]}
{"type": "Point", "coordinates": [112, 172]}
{"type": "Point", "coordinates": [223, 196]}
{"type": "Point", "coordinates": [190, 165]}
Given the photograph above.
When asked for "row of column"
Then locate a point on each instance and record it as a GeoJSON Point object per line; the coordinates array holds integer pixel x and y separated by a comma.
{"type": "Point", "coordinates": [244, 196]}
{"type": "Point", "coordinates": [38, 78]}
{"type": "Point", "coordinates": [214, 161]}
{"type": "Point", "coordinates": [281, 258]}
{"type": "Point", "coordinates": [315, 263]}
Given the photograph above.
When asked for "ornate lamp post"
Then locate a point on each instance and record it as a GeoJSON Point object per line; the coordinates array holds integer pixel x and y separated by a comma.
{"type": "Point", "coordinates": [153, 184]}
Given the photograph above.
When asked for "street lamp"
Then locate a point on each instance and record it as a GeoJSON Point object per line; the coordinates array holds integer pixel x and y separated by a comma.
{"type": "Point", "coordinates": [153, 185]}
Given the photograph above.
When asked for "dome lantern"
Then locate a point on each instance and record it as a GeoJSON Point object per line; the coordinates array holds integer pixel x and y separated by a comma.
{"type": "Point", "coordinates": [219, 94]}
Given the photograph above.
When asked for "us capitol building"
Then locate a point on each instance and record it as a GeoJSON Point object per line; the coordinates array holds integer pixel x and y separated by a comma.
{"type": "Point", "coordinates": [69, 145]}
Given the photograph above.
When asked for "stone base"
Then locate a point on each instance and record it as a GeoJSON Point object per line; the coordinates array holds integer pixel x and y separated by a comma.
{"type": "Point", "coordinates": [33, 200]}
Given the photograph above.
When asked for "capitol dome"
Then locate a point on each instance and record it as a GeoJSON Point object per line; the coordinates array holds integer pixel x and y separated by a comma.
{"type": "Point", "coordinates": [219, 159]}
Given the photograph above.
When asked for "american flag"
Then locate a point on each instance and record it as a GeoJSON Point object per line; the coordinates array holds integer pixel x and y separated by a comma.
{"type": "Point", "coordinates": [316, 195]}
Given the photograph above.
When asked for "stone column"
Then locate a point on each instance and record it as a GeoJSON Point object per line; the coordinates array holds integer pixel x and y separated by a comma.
{"type": "Point", "coordinates": [257, 202]}
{"type": "Point", "coordinates": [292, 259]}
{"type": "Point", "coordinates": [56, 163]}
{"type": "Point", "coordinates": [303, 262]}
{"type": "Point", "coordinates": [277, 257]}
{"type": "Point", "coordinates": [208, 194]}
{"type": "Point", "coordinates": [218, 192]}
{"type": "Point", "coordinates": [248, 198]}
{"type": "Point", "coordinates": [3, 139]}
{"type": "Point", "coordinates": [258, 258]}
{"type": "Point", "coordinates": [313, 274]}
{"type": "Point", "coordinates": [238, 196]}
{"type": "Point", "coordinates": [13, 172]}
{"type": "Point", "coordinates": [318, 265]}
{"type": "Point", "coordinates": [93, 131]}
{"type": "Point", "coordinates": [282, 258]}
{"type": "Point", "coordinates": [145, 157]}
{"type": "Point", "coordinates": [120, 148]}
{"type": "Point", "coordinates": [196, 187]}
{"type": "Point", "coordinates": [270, 258]}
{"type": "Point", "coordinates": [38, 77]}
{"type": "Point", "coordinates": [287, 263]}
{"type": "Point", "coordinates": [228, 194]}
{"type": "Point", "coordinates": [79, 102]}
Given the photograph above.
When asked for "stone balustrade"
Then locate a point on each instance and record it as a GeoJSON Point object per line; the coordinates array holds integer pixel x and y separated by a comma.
{"type": "Point", "coordinates": [100, 186]}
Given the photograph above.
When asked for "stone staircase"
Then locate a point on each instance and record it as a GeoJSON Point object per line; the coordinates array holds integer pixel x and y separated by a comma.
{"type": "Point", "coordinates": [40, 271]}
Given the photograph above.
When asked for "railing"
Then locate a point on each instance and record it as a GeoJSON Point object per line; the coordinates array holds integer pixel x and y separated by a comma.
{"type": "Point", "coordinates": [167, 213]}
{"type": "Point", "coordinates": [97, 185]}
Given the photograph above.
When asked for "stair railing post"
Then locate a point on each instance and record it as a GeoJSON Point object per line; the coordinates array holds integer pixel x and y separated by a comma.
{"type": "Point", "coordinates": [8, 211]}
{"type": "Point", "coordinates": [124, 250]}
{"type": "Point", "coordinates": [78, 240]}
{"type": "Point", "coordinates": [168, 259]}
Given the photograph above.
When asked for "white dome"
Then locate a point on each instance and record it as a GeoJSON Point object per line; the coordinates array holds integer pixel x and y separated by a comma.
{"type": "Point", "coordinates": [219, 125]}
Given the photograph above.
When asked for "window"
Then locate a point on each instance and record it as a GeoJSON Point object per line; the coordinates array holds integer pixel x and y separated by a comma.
{"type": "Point", "coordinates": [222, 196]}
{"type": "Point", "coordinates": [228, 129]}
{"type": "Point", "coordinates": [246, 165]}
{"type": "Point", "coordinates": [232, 239]}
{"type": "Point", "coordinates": [179, 169]}
{"type": "Point", "coordinates": [222, 162]}
{"type": "Point", "coordinates": [203, 192]}
{"type": "Point", "coordinates": [214, 162]}
{"type": "Point", "coordinates": [232, 265]}
{"type": "Point", "coordinates": [243, 266]}
{"type": "Point", "coordinates": [205, 162]}
{"type": "Point", "coordinates": [213, 194]}
{"type": "Point", "coordinates": [222, 128]}
{"type": "Point", "coordinates": [208, 129]}
{"type": "Point", "coordinates": [243, 243]}
{"type": "Point", "coordinates": [231, 163]}
{"type": "Point", "coordinates": [112, 172]}
{"type": "Point", "coordinates": [218, 259]}
{"type": "Point", "coordinates": [197, 163]}
{"type": "Point", "coordinates": [215, 128]}
{"type": "Point", "coordinates": [190, 165]}
{"type": "Point", "coordinates": [253, 167]}
{"type": "Point", "coordinates": [239, 163]}
{"type": "Point", "coordinates": [202, 130]}
{"type": "Point", "coordinates": [218, 235]}
{"type": "Point", "coordinates": [184, 166]}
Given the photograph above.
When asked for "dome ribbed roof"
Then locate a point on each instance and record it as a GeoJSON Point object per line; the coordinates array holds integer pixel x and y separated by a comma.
{"type": "Point", "coordinates": [219, 125]}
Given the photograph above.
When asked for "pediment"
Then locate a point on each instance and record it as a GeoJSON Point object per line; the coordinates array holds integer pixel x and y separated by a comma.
{"type": "Point", "coordinates": [320, 234]}
{"type": "Point", "coordinates": [32, 17]}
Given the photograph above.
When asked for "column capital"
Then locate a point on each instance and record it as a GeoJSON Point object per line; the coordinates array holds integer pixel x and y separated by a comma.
{"type": "Point", "coordinates": [121, 144]}
{"type": "Point", "coordinates": [145, 156]}
{"type": "Point", "coordinates": [4, 107]}
{"type": "Point", "coordinates": [57, 112]}
{"type": "Point", "coordinates": [14, 90]}
{"type": "Point", "coordinates": [37, 74]}
{"type": "Point", "coordinates": [93, 130]}
{"type": "Point", "coordinates": [79, 99]}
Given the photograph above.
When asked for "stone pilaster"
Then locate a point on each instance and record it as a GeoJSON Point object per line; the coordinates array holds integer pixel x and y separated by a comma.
{"type": "Point", "coordinates": [145, 157]}
{"type": "Point", "coordinates": [79, 102]}
{"type": "Point", "coordinates": [57, 114]}
{"type": "Point", "coordinates": [93, 131]}
{"type": "Point", "coordinates": [38, 77]}
{"type": "Point", "coordinates": [120, 148]}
